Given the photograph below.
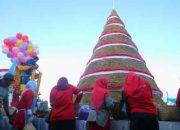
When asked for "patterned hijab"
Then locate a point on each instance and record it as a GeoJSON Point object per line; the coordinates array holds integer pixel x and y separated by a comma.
{"type": "Point", "coordinates": [62, 84]}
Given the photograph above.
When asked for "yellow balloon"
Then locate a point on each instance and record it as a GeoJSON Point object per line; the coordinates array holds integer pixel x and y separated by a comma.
{"type": "Point", "coordinates": [19, 43]}
{"type": "Point", "coordinates": [29, 50]}
{"type": "Point", "coordinates": [30, 46]}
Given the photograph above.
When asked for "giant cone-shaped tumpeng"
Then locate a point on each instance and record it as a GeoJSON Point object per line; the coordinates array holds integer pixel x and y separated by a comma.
{"type": "Point", "coordinates": [114, 56]}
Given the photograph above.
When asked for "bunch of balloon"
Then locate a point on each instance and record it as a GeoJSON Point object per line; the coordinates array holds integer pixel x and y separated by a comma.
{"type": "Point", "coordinates": [19, 48]}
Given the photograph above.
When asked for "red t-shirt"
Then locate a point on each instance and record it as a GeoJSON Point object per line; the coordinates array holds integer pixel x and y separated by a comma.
{"type": "Point", "coordinates": [62, 103]}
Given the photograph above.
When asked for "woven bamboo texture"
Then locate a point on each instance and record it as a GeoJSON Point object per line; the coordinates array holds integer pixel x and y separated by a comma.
{"type": "Point", "coordinates": [169, 113]}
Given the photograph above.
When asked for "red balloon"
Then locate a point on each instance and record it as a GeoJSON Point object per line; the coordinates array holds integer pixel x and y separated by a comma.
{"type": "Point", "coordinates": [10, 48]}
{"type": "Point", "coordinates": [32, 54]}
{"type": "Point", "coordinates": [7, 41]}
{"type": "Point", "coordinates": [19, 35]}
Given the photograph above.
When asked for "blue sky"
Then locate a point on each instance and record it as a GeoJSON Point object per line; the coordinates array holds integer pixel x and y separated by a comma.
{"type": "Point", "coordinates": [67, 30]}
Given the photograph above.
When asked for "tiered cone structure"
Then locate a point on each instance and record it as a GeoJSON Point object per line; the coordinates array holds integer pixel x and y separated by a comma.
{"type": "Point", "coordinates": [114, 56]}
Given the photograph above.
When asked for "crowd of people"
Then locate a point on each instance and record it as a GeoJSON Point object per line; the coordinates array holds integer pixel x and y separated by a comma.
{"type": "Point", "coordinates": [136, 90]}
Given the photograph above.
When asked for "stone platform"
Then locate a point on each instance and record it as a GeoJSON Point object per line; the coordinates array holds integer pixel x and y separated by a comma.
{"type": "Point", "coordinates": [124, 125]}
{"type": "Point", "coordinates": [40, 124]}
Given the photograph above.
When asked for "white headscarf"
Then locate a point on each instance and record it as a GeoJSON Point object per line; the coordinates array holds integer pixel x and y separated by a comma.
{"type": "Point", "coordinates": [31, 85]}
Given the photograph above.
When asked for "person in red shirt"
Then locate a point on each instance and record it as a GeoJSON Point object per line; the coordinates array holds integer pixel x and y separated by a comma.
{"type": "Point", "coordinates": [143, 113]}
{"type": "Point", "coordinates": [178, 98]}
{"type": "Point", "coordinates": [24, 107]}
{"type": "Point", "coordinates": [63, 114]}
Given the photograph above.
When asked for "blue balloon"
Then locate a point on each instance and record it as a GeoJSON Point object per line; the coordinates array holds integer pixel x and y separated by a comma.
{"type": "Point", "coordinates": [23, 47]}
{"type": "Point", "coordinates": [13, 39]}
{"type": "Point", "coordinates": [9, 55]}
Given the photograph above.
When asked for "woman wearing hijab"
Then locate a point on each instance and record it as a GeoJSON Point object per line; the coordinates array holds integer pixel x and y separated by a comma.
{"type": "Point", "coordinates": [24, 107]}
{"type": "Point", "coordinates": [143, 113]}
{"type": "Point", "coordinates": [102, 103]}
{"type": "Point", "coordinates": [62, 115]}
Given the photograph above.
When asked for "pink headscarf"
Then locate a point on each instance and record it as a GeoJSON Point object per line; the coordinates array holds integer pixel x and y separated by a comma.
{"type": "Point", "coordinates": [100, 92]}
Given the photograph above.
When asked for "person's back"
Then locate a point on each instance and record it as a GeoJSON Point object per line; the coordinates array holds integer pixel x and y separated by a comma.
{"type": "Point", "coordinates": [141, 100]}
{"type": "Point", "coordinates": [62, 103]}
{"type": "Point", "coordinates": [138, 93]}
{"type": "Point", "coordinates": [61, 100]}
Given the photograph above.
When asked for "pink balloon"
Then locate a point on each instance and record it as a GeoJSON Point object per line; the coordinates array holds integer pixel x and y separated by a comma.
{"type": "Point", "coordinates": [3, 46]}
{"type": "Point", "coordinates": [20, 55]}
{"type": "Point", "coordinates": [15, 50]}
{"type": "Point", "coordinates": [23, 59]}
{"type": "Point", "coordinates": [25, 38]}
